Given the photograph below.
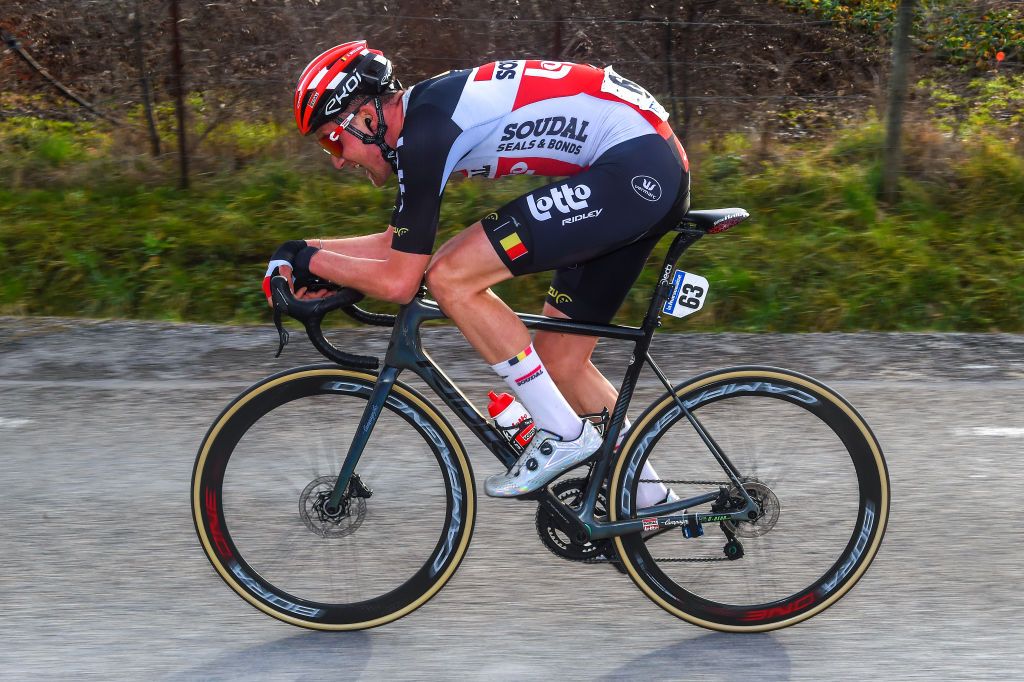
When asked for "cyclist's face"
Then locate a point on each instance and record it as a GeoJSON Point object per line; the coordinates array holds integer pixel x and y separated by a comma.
{"type": "Point", "coordinates": [346, 149]}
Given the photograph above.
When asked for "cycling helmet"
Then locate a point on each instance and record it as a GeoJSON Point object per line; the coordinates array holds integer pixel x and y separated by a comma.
{"type": "Point", "coordinates": [334, 80]}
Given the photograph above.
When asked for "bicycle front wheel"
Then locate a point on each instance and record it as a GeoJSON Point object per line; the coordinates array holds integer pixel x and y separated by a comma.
{"type": "Point", "coordinates": [803, 455]}
{"type": "Point", "coordinates": [268, 465]}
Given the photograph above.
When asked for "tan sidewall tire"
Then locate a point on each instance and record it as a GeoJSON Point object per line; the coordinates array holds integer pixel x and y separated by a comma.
{"type": "Point", "coordinates": [415, 400]}
{"type": "Point", "coordinates": [747, 374]}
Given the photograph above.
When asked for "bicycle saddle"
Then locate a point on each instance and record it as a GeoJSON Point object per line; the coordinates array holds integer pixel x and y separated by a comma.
{"type": "Point", "coordinates": [713, 220]}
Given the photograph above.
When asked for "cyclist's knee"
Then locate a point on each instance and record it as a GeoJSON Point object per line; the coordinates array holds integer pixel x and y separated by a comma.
{"type": "Point", "coordinates": [450, 276]}
{"type": "Point", "coordinates": [442, 277]}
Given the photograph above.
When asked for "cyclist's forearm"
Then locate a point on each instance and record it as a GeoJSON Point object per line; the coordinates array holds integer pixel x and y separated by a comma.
{"type": "Point", "coordinates": [372, 246]}
{"type": "Point", "coordinates": [383, 279]}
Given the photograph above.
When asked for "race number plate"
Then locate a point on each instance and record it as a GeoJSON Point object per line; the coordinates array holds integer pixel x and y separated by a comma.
{"type": "Point", "coordinates": [688, 294]}
{"type": "Point", "coordinates": [628, 91]}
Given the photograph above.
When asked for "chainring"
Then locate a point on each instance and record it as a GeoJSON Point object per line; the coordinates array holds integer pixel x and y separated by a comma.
{"type": "Point", "coordinates": [570, 492]}
{"type": "Point", "coordinates": [770, 508]}
{"type": "Point", "coordinates": [317, 520]}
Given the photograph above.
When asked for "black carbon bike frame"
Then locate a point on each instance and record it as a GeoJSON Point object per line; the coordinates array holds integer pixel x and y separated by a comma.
{"type": "Point", "coordinates": [406, 353]}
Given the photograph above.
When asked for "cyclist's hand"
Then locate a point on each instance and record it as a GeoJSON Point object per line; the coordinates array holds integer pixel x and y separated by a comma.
{"type": "Point", "coordinates": [291, 261]}
{"type": "Point", "coordinates": [306, 294]}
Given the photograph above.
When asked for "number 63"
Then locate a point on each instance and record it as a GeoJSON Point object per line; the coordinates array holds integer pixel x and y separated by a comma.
{"type": "Point", "coordinates": [689, 301]}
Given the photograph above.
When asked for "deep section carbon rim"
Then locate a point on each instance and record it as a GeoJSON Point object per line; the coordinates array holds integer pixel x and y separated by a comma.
{"type": "Point", "coordinates": [809, 461]}
{"type": "Point", "coordinates": [266, 469]}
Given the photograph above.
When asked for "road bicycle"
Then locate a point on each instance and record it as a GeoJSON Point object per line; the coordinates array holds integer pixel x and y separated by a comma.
{"type": "Point", "coordinates": [337, 497]}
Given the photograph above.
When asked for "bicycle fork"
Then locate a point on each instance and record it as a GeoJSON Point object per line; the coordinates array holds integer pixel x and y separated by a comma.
{"type": "Point", "coordinates": [379, 395]}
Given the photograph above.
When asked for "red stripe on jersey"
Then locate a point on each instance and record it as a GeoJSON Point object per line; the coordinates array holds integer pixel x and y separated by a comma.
{"type": "Point", "coordinates": [682, 152]}
{"type": "Point", "coordinates": [485, 72]}
{"type": "Point", "coordinates": [558, 80]}
{"type": "Point", "coordinates": [535, 165]}
{"type": "Point", "coordinates": [565, 80]}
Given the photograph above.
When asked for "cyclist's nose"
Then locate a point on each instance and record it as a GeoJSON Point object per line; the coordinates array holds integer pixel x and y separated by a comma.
{"type": "Point", "coordinates": [338, 163]}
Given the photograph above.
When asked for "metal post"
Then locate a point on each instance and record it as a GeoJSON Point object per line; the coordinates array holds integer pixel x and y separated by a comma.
{"type": "Point", "coordinates": [669, 74]}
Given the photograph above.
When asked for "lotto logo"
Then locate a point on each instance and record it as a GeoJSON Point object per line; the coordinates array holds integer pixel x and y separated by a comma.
{"type": "Point", "coordinates": [566, 199]}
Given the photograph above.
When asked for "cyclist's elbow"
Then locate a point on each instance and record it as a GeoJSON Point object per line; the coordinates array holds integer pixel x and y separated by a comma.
{"type": "Point", "coordinates": [402, 289]}
{"type": "Point", "coordinates": [403, 275]}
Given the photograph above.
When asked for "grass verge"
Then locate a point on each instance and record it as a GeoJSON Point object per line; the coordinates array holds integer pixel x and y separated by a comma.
{"type": "Point", "coordinates": [84, 231]}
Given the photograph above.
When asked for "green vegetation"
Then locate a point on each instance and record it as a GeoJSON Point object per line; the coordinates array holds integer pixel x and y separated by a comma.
{"type": "Point", "coordinates": [959, 32]}
{"type": "Point", "coordinates": [993, 104]}
{"type": "Point", "coordinates": [86, 230]}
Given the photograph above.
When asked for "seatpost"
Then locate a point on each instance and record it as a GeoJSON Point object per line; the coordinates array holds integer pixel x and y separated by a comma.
{"type": "Point", "coordinates": [684, 240]}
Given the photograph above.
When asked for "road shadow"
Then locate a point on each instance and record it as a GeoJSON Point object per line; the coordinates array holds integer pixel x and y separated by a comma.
{"type": "Point", "coordinates": [301, 655]}
{"type": "Point", "coordinates": [715, 656]}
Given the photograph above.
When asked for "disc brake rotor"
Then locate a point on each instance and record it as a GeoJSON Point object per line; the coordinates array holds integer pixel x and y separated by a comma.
{"type": "Point", "coordinates": [312, 503]}
{"type": "Point", "coordinates": [769, 508]}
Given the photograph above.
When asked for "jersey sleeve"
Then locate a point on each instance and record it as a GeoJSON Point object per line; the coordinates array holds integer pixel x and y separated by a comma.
{"type": "Point", "coordinates": [428, 136]}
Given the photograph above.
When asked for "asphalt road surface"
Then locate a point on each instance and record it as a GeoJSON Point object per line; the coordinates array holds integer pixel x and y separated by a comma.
{"type": "Point", "coordinates": [102, 577]}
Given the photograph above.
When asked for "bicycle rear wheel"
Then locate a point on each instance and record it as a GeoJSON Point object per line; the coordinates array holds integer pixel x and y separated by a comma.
{"type": "Point", "coordinates": [804, 455]}
{"type": "Point", "coordinates": [270, 461]}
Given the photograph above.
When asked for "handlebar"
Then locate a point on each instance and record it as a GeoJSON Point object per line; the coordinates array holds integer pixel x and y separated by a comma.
{"type": "Point", "coordinates": [311, 314]}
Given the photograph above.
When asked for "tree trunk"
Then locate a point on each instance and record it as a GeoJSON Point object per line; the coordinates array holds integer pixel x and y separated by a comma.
{"type": "Point", "coordinates": [140, 63]}
{"type": "Point", "coordinates": [179, 93]}
{"type": "Point", "coordinates": [893, 162]}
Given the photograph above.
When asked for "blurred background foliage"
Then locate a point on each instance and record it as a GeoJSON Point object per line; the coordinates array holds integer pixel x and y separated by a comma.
{"type": "Point", "coordinates": [964, 32]}
{"type": "Point", "coordinates": [88, 232]}
{"type": "Point", "coordinates": [775, 100]}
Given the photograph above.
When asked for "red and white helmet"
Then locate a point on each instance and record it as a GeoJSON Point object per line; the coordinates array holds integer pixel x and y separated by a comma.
{"type": "Point", "coordinates": [331, 81]}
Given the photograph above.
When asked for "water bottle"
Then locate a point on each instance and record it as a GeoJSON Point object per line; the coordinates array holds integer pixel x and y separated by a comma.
{"type": "Point", "coordinates": [512, 419]}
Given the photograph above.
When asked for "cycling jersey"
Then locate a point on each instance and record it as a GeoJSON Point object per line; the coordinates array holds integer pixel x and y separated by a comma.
{"type": "Point", "coordinates": [509, 118]}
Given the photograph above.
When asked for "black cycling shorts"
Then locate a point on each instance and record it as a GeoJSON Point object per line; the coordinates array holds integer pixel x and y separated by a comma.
{"type": "Point", "coordinates": [596, 228]}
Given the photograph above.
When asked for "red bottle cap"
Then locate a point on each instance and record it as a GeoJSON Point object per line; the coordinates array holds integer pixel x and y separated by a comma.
{"type": "Point", "coordinates": [498, 403]}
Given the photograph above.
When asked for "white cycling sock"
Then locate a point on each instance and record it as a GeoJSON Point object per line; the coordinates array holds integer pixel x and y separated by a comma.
{"type": "Point", "coordinates": [647, 494]}
{"type": "Point", "coordinates": [526, 376]}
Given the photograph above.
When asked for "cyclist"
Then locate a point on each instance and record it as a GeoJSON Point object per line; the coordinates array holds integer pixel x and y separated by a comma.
{"type": "Point", "coordinates": [626, 182]}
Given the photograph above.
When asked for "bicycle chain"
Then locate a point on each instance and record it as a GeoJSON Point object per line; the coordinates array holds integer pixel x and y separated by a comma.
{"type": "Point", "coordinates": [709, 559]}
{"type": "Point", "coordinates": [676, 560]}
{"type": "Point", "coordinates": [669, 480]}
{"type": "Point", "coordinates": [606, 560]}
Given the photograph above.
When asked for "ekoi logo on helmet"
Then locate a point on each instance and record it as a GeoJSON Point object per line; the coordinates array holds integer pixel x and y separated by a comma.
{"type": "Point", "coordinates": [342, 94]}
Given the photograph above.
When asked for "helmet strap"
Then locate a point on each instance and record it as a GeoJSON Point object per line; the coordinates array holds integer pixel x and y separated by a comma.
{"type": "Point", "coordinates": [390, 155]}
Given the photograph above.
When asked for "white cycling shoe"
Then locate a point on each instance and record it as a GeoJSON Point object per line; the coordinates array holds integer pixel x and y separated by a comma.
{"type": "Point", "coordinates": [547, 457]}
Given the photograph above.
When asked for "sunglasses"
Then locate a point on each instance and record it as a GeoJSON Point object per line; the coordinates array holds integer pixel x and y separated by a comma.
{"type": "Point", "coordinates": [331, 142]}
